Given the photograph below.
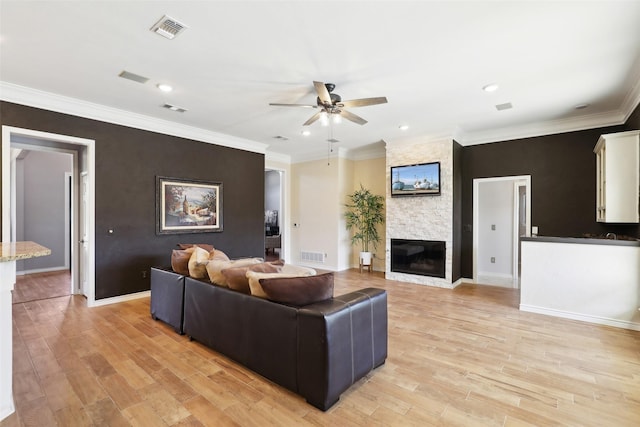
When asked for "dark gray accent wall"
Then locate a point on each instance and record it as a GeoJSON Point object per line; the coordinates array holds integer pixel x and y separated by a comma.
{"type": "Point", "coordinates": [456, 271]}
{"type": "Point", "coordinates": [633, 122]}
{"type": "Point", "coordinates": [127, 163]}
{"type": "Point", "coordinates": [562, 169]}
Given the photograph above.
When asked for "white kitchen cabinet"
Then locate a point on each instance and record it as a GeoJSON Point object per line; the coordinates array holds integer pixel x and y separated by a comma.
{"type": "Point", "coordinates": [618, 177]}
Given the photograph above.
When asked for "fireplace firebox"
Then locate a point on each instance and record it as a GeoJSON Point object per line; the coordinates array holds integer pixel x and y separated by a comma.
{"type": "Point", "coordinates": [423, 257]}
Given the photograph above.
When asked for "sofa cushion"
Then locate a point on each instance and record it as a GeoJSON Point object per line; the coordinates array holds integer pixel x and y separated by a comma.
{"type": "Point", "coordinates": [215, 267]}
{"type": "Point", "coordinates": [298, 291]}
{"type": "Point", "coordinates": [204, 246]}
{"type": "Point", "coordinates": [236, 277]}
{"type": "Point", "coordinates": [198, 263]}
{"type": "Point", "coordinates": [218, 255]}
{"type": "Point", "coordinates": [288, 270]}
{"type": "Point", "coordinates": [180, 260]}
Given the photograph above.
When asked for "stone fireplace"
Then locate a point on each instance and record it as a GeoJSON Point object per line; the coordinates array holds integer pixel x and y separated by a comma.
{"type": "Point", "coordinates": [420, 218]}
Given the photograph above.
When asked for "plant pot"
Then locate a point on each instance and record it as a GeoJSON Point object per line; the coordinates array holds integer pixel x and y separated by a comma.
{"type": "Point", "coordinates": [365, 258]}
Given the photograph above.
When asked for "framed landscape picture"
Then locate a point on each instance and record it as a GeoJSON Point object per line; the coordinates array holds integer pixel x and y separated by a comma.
{"type": "Point", "coordinates": [188, 206]}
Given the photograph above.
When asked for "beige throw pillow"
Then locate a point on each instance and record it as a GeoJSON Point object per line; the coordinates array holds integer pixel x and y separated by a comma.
{"type": "Point", "coordinates": [198, 263]}
{"type": "Point", "coordinates": [215, 267]}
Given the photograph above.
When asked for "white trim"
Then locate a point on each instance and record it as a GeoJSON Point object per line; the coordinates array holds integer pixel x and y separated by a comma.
{"type": "Point", "coordinates": [76, 107]}
{"type": "Point", "coordinates": [270, 156]}
{"type": "Point", "coordinates": [41, 270]}
{"type": "Point", "coordinates": [552, 127]}
{"type": "Point", "coordinates": [582, 317]}
{"type": "Point", "coordinates": [476, 206]}
{"type": "Point", "coordinates": [89, 145]}
{"type": "Point", "coordinates": [68, 213]}
{"type": "Point", "coordinates": [121, 298]}
{"type": "Point", "coordinates": [495, 279]}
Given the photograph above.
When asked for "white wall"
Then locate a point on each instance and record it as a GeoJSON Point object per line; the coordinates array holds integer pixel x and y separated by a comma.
{"type": "Point", "coordinates": [495, 206]}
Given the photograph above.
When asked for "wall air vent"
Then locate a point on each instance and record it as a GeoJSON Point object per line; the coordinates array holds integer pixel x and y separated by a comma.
{"type": "Point", "coordinates": [312, 256]}
{"type": "Point", "coordinates": [168, 27]}
{"type": "Point", "coordinates": [131, 76]}
{"type": "Point", "coordinates": [174, 108]}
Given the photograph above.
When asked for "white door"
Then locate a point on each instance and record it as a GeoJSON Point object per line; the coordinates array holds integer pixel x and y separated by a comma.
{"type": "Point", "coordinates": [84, 236]}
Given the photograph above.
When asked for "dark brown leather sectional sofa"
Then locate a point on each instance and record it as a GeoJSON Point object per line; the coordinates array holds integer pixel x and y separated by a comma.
{"type": "Point", "coordinates": [317, 351]}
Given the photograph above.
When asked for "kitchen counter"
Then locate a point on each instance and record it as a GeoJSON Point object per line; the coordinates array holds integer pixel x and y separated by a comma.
{"type": "Point", "coordinates": [582, 240]}
{"type": "Point", "coordinates": [9, 254]}
{"type": "Point", "coordinates": [593, 280]}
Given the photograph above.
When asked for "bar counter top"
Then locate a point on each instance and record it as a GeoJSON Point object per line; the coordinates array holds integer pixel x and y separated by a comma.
{"type": "Point", "coordinates": [13, 251]}
{"type": "Point", "coordinates": [581, 240]}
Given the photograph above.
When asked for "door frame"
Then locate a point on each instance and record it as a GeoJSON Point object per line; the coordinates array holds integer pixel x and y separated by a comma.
{"type": "Point", "coordinates": [8, 220]}
{"type": "Point", "coordinates": [518, 180]}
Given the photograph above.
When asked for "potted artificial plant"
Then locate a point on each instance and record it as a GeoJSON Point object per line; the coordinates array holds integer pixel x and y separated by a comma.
{"type": "Point", "coordinates": [363, 214]}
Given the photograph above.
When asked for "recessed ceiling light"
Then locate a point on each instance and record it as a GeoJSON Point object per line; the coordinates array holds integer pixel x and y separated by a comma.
{"type": "Point", "coordinates": [490, 87]}
{"type": "Point", "coordinates": [581, 106]}
{"type": "Point", "coordinates": [165, 87]}
{"type": "Point", "coordinates": [403, 127]}
{"type": "Point", "coordinates": [306, 132]}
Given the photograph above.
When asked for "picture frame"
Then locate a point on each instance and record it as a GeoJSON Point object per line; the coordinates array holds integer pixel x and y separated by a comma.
{"type": "Point", "coordinates": [188, 206]}
{"type": "Point", "coordinates": [422, 179]}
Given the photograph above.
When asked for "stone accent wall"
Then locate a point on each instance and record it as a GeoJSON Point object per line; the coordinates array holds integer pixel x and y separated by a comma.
{"type": "Point", "coordinates": [421, 217]}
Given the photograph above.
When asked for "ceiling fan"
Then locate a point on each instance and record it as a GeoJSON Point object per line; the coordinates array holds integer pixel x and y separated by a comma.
{"type": "Point", "coordinates": [332, 104]}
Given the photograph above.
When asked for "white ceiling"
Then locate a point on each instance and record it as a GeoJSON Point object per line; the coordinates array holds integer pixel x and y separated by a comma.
{"type": "Point", "coordinates": [429, 58]}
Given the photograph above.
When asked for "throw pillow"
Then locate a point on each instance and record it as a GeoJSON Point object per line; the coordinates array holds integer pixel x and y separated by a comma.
{"type": "Point", "coordinates": [204, 246]}
{"type": "Point", "coordinates": [218, 255]}
{"type": "Point", "coordinates": [236, 277]}
{"type": "Point", "coordinates": [198, 263]}
{"type": "Point", "coordinates": [180, 260]}
{"type": "Point", "coordinates": [299, 291]}
{"type": "Point", "coordinates": [215, 267]}
{"type": "Point", "coordinates": [288, 270]}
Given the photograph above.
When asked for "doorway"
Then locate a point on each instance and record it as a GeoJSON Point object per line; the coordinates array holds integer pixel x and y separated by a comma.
{"type": "Point", "coordinates": [501, 215]}
{"type": "Point", "coordinates": [274, 214]}
{"type": "Point", "coordinates": [83, 151]}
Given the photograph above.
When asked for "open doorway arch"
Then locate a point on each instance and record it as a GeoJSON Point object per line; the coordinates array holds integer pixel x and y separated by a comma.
{"type": "Point", "coordinates": [501, 215]}
{"type": "Point", "coordinates": [81, 218]}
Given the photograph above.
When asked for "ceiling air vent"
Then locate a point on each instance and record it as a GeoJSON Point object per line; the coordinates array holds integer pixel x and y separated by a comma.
{"type": "Point", "coordinates": [174, 108]}
{"type": "Point", "coordinates": [168, 27]}
{"type": "Point", "coordinates": [131, 76]}
{"type": "Point", "coordinates": [505, 106]}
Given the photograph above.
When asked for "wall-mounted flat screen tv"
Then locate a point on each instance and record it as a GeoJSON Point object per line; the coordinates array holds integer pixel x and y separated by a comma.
{"type": "Point", "coordinates": [415, 180]}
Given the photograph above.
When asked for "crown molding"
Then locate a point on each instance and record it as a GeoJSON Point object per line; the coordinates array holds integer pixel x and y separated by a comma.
{"type": "Point", "coordinates": [271, 156]}
{"type": "Point", "coordinates": [372, 151]}
{"type": "Point", "coordinates": [632, 100]}
{"type": "Point", "coordinates": [62, 104]}
{"type": "Point", "coordinates": [611, 118]}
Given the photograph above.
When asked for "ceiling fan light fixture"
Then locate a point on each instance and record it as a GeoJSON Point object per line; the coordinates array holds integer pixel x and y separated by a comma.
{"type": "Point", "coordinates": [324, 119]}
{"type": "Point", "coordinates": [337, 119]}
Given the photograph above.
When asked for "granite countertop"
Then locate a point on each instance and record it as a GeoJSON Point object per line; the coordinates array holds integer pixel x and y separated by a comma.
{"type": "Point", "coordinates": [14, 251]}
{"type": "Point", "coordinates": [581, 240]}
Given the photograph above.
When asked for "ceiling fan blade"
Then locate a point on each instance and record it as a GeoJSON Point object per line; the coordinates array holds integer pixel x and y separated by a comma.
{"type": "Point", "coordinates": [352, 117]}
{"type": "Point", "coordinates": [363, 102]}
{"type": "Point", "coordinates": [292, 105]}
{"type": "Point", "coordinates": [313, 118]}
{"type": "Point", "coordinates": [323, 93]}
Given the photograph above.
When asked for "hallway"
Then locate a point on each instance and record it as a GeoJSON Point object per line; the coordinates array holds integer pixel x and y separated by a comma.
{"type": "Point", "coordinates": [40, 286]}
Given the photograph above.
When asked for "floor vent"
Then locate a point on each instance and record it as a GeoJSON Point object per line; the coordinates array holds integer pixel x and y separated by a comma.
{"type": "Point", "coordinates": [312, 256]}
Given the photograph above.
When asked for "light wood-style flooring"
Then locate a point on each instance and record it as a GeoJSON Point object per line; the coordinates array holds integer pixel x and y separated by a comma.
{"type": "Point", "coordinates": [39, 286]}
{"type": "Point", "coordinates": [464, 357]}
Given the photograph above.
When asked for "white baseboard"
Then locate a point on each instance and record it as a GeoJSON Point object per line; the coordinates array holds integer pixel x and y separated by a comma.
{"type": "Point", "coordinates": [120, 298]}
{"type": "Point", "coordinates": [582, 317]}
{"type": "Point", "coordinates": [40, 270]}
{"type": "Point", "coordinates": [496, 279]}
